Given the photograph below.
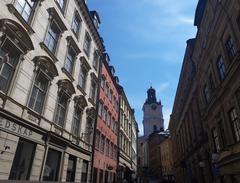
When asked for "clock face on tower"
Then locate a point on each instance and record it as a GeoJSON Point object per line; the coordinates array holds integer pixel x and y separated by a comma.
{"type": "Point", "coordinates": [154, 107]}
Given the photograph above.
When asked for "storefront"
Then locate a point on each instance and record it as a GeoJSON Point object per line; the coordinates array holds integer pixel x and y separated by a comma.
{"type": "Point", "coordinates": [28, 152]}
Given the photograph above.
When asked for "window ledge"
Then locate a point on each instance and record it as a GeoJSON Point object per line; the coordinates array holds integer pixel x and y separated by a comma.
{"type": "Point", "coordinates": [44, 47]}
{"type": "Point", "coordinates": [68, 74]}
{"type": "Point", "coordinates": [81, 89]}
{"type": "Point", "coordinates": [14, 11]}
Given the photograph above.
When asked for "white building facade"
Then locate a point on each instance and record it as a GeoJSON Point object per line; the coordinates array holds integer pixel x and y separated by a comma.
{"type": "Point", "coordinates": [49, 60]}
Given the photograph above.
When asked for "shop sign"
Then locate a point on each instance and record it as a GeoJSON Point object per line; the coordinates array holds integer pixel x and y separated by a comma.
{"type": "Point", "coordinates": [10, 126]}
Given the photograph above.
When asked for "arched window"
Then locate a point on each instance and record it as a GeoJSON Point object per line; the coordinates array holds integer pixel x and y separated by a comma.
{"type": "Point", "coordinates": [14, 43]}
{"type": "Point", "coordinates": [45, 72]}
{"type": "Point", "coordinates": [65, 91]}
{"type": "Point", "coordinates": [79, 105]}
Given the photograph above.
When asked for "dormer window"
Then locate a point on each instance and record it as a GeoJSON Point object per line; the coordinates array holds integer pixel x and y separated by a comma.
{"type": "Point", "coordinates": [95, 19]}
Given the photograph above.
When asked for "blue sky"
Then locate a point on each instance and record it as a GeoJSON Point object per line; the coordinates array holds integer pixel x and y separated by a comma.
{"type": "Point", "coordinates": [146, 40]}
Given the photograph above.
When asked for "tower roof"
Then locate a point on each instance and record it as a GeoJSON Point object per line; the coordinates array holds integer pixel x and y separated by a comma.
{"type": "Point", "coordinates": [151, 96]}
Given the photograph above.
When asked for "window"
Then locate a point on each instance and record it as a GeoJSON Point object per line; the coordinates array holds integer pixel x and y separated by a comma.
{"type": "Point", "coordinates": [111, 95]}
{"type": "Point", "coordinates": [216, 140]}
{"type": "Point", "coordinates": [102, 82]}
{"type": "Point", "coordinates": [76, 24]}
{"type": "Point", "coordinates": [22, 162]}
{"type": "Point", "coordinates": [71, 168]}
{"type": "Point", "coordinates": [109, 120]}
{"type": "Point", "coordinates": [102, 143]}
{"type": "Point", "coordinates": [221, 67]}
{"type": "Point", "coordinates": [100, 109]}
{"type": "Point", "coordinates": [69, 62]}
{"type": "Point", "coordinates": [52, 37]}
{"type": "Point", "coordinates": [25, 8]}
{"type": "Point", "coordinates": [230, 48]}
{"type": "Point", "coordinates": [93, 90]}
{"type": "Point", "coordinates": [87, 44]}
{"type": "Point", "coordinates": [77, 116]}
{"type": "Point", "coordinates": [97, 139]}
{"type": "Point", "coordinates": [113, 124]}
{"type": "Point", "coordinates": [96, 60]}
{"type": "Point", "coordinates": [83, 77]}
{"type": "Point", "coordinates": [62, 4]}
{"type": "Point", "coordinates": [9, 58]}
{"type": "Point", "coordinates": [104, 114]}
{"type": "Point", "coordinates": [235, 123]}
{"type": "Point", "coordinates": [107, 147]}
{"type": "Point", "coordinates": [107, 90]}
{"type": "Point", "coordinates": [84, 171]}
{"type": "Point", "coordinates": [38, 92]}
{"type": "Point", "coordinates": [206, 93]}
{"type": "Point", "coordinates": [61, 108]}
{"type": "Point", "coordinates": [52, 166]}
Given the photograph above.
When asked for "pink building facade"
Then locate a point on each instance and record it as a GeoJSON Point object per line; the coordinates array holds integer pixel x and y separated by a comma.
{"type": "Point", "coordinates": [105, 153]}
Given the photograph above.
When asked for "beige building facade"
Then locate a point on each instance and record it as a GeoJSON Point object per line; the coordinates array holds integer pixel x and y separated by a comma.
{"type": "Point", "coordinates": [126, 168]}
{"type": "Point", "coordinates": [49, 60]}
{"type": "Point", "coordinates": [205, 120]}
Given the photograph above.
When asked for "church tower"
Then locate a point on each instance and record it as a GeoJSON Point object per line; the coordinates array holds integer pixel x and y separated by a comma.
{"type": "Point", "coordinates": [152, 114]}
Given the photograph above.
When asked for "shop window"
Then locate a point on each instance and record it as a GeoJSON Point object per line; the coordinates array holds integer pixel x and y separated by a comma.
{"type": "Point", "coordinates": [22, 162]}
{"type": "Point", "coordinates": [84, 171]}
{"type": "Point", "coordinates": [39, 91]}
{"type": "Point", "coordinates": [52, 166]}
{"type": "Point", "coordinates": [71, 169]}
{"type": "Point", "coordinates": [9, 58]}
{"type": "Point", "coordinates": [25, 8]}
{"type": "Point", "coordinates": [52, 36]}
{"type": "Point", "coordinates": [235, 123]}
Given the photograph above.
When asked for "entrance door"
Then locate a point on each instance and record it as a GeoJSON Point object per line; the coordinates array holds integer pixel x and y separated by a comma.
{"type": "Point", "coordinates": [52, 165]}
{"type": "Point", "coordinates": [22, 162]}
